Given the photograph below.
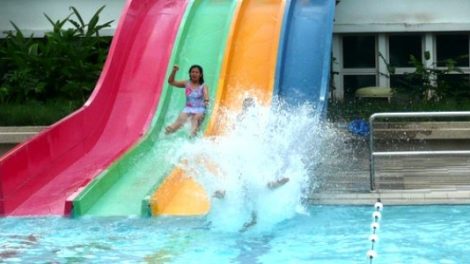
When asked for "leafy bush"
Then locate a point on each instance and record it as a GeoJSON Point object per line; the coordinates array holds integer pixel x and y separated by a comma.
{"type": "Point", "coordinates": [430, 83]}
{"type": "Point", "coordinates": [65, 63]}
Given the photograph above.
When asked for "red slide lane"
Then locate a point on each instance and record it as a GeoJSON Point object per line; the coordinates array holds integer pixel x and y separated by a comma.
{"type": "Point", "coordinates": [37, 177]}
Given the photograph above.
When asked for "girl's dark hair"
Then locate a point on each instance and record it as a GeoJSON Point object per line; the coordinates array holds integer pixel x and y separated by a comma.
{"type": "Point", "coordinates": [200, 70]}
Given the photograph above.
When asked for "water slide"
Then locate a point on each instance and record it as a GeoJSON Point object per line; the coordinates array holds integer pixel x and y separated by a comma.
{"type": "Point", "coordinates": [37, 177]}
{"type": "Point", "coordinates": [303, 68]}
{"type": "Point", "coordinates": [73, 158]}
{"type": "Point", "coordinates": [122, 189]}
{"type": "Point", "coordinates": [249, 67]}
{"type": "Point", "coordinates": [302, 75]}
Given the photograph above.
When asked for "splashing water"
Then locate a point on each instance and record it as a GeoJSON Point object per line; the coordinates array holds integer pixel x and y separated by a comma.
{"type": "Point", "coordinates": [261, 146]}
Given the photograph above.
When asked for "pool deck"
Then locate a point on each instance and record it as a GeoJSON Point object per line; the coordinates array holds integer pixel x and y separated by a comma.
{"type": "Point", "coordinates": [399, 181]}
{"type": "Point", "coordinates": [345, 179]}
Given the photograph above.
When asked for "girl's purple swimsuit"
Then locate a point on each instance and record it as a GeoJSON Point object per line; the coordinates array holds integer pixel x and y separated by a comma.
{"type": "Point", "coordinates": [194, 99]}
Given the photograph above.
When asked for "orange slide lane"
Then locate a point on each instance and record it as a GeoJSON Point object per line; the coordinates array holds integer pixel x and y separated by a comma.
{"type": "Point", "coordinates": [249, 68]}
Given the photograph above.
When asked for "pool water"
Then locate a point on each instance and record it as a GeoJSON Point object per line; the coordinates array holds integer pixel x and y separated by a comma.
{"type": "Point", "coordinates": [267, 144]}
{"type": "Point", "coordinates": [325, 234]}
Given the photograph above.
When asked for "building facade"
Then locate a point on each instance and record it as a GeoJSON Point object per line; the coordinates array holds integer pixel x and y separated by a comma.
{"type": "Point", "coordinates": [370, 34]}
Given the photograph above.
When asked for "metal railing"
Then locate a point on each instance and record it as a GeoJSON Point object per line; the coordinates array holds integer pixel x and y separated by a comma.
{"type": "Point", "coordinates": [374, 154]}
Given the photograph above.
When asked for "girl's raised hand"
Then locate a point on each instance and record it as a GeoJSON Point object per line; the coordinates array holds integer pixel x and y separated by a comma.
{"type": "Point", "coordinates": [176, 67]}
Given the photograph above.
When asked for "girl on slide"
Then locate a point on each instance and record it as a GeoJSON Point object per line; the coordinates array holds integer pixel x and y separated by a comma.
{"type": "Point", "coordinates": [197, 99]}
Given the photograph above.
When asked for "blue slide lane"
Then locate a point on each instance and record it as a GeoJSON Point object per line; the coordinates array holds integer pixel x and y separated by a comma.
{"type": "Point", "coordinates": [303, 67]}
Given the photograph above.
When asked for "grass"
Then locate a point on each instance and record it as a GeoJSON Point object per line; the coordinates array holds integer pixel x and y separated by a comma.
{"type": "Point", "coordinates": [34, 113]}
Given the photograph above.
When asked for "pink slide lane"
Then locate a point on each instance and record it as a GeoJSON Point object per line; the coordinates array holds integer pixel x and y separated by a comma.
{"type": "Point", "coordinates": [37, 177]}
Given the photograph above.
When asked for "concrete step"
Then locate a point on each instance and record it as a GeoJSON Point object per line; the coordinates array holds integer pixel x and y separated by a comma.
{"type": "Point", "coordinates": [422, 130]}
{"type": "Point", "coordinates": [395, 197]}
{"type": "Point", "coordinates": [11, 136]}
{"type": "Point", "coordinates": [14, 135]}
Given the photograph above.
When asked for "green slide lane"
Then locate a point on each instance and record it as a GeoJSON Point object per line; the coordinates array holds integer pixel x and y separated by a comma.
{"type": "Point", "coordinates": [123, 187]}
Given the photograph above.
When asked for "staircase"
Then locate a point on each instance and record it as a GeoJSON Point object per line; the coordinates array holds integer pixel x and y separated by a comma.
{"type": "Point", "coordinates": [399, 180]}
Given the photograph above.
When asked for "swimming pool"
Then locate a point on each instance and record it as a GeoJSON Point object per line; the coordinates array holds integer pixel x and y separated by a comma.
{"type": "Point", "coordinates": [327, 234]}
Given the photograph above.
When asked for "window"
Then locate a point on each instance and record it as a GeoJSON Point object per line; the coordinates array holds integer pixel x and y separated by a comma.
{"type": "Point", "coordinates": [453, 47]}
{"type": "Point", "coordinates": [359, 63]}
{"type": "Point", "coordinates": [354, 82]}
{"type": "Point", "coordinates": [402, 47]}
{"type": "Point", "coordinates": [359, 51]}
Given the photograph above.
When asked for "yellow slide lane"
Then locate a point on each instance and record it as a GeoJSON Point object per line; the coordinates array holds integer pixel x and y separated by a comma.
{"type": "Point", "coordinates": [249, 67]}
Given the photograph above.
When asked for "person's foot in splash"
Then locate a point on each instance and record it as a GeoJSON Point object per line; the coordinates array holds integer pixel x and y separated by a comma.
{"type": "Point", "coordinates": [219, 194]}
{"type": "Point", "coordinates": [277, 183]}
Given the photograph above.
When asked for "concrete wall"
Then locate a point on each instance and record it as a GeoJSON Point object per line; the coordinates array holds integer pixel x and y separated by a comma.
{"type": "Point", "coordinates": [28, 15]}
{"type": "Point", "coordinates": [11, 136]}
{"type": "Point", "coordinates": [354, 16]}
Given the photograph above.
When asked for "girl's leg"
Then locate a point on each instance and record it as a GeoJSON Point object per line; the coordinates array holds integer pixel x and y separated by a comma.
{"type": "Point", "coordinates": [182, 118]}
{"type": "Point", "coordinates": [254, 220]}
{"type": "Point", "coordinates": [196, 121]}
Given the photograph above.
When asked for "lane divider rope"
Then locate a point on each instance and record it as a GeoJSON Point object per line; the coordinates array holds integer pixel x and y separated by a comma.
{"type": "Point", "coordinates": [376, 216]}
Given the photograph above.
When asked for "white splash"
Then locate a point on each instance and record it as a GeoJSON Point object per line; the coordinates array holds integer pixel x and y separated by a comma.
{"type": "Point", "coordinates": [263, 145]}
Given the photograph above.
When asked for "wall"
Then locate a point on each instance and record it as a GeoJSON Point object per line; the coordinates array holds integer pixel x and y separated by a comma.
{"type": "Point", "coordinates": [354, 16]}
{"type": "Point", "coordinates": [28, 15]}
{"type": "Point", "coordinates": [351, 15]}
